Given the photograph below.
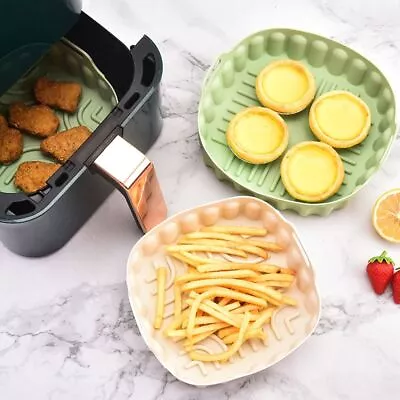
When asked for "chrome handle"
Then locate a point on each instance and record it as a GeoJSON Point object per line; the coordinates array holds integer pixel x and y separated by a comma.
{"type": "Point", "coordinates": [135, 177]}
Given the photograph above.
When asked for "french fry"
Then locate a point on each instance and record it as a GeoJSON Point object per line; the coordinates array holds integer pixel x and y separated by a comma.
{"type": "Point", "coordinates": [250, 334]}
{"type": "Point", "coordinates": [254, 331]}
{"type": "Point", "coordinates": [207, 307]}
{"type": "Point", "coordinates": [205, 248]}
{"type": "Point", "coordinates": [211, 235]}
{"type": "Point", "coordinates": [261, 297]}
{"type": "Point", "coordinates": [242, 245]}
{"type": "Point", "coordinates": [188, 343]}
{"type": "Point", "coordinates": [229, 307]}
{"type": "Point", "coordinates": [273, 277]}
{"type": "Point", "coordinates": [219, 274]}
{"type": "Point", "coordinates": [207, 319]}
{"type": "Point", "coordinates": [275, 248]}
{"type": "Point", "coordinates": [193, 310]}
{"type": "Point", "coordinates": [237, 295]}
{"type": "Point", "coordinates": [183, 257]}
{"type": "Point", "coordinates": [195, 258]}
{"type": "Point", "coordinates": [204, 319]}
{"type": "Point", "coordinates": [234, 313]}
{"type": "Point", "coordinates": [245, 308]}
{"type": "Point", "coordinates": [224, 301]}
{"type": "Point", "coordinates": [236, 230]}
{"type": "Point", "coordinates": [287, 271]}
{"type": "Point", "coordinates": [219, 313]}
{"type": "Point", "coordinates": [196, 237]}
{"type": "Point", "coordinates": [257, 247]}
{"type": "Point", "coordinates": [262, 319]}
{"type": "Point", "coordinates": [161, 281]}
{"type": "Point", "coordinates": [289, 301]}
{"type": "Point", "coordinates": [227, 331]}
{"type": "Point", "coordinates": [208, 328]}
{"type": "Point", "coordinates": [177, 322]}
{"type": "Point", "coordinates": [213, 267]}
{"type": "Point", "coordinates": [253, 250]}
{"type": "Point", "coordinates": [281, 284]}
{"type": "Point", "coordinates": [267, 298]}
{"type": "Point", "coordinates": [234, 283]}
{"type": "Point", "coordinates": [207, 242]}
{"type": "Point", "coordinates": [232, 306]}
{"type": "Point", "coordinates": [196, 331]}
{"type": "Point", "coordinates": [195, 355]}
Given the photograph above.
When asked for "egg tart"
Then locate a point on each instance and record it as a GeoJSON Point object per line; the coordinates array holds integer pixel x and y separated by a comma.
{"type": "Point", "coordinates": [340, 119]}
{"type": "Point", "coordinates": [285, 86]}
{"type": "Point", "coordinates": [257, 135]}
{"type": "Point", "coordinates": [312, 171]}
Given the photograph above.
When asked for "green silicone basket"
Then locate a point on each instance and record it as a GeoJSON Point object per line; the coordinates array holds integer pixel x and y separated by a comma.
{"type": "Point", "coordinates": [64, 62]}
{"type": "Point", "coordinates": [229, 87]}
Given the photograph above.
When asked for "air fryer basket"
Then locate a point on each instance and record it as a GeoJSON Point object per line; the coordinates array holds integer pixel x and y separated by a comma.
{"type": "Point", "coordinates": [63, 62]}
{"type": "Point", "coordinates": [40, 224]}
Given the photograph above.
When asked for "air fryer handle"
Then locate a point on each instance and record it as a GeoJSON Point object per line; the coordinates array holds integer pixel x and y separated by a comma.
{"type": "Point", "coordinates": [146, 200]}
{"type": "Point", "coordinates": [134, 176]}
{"type": "Point", "coordinates": [148, 69]}
{"type": "Point", "coordinates": [121, 163]}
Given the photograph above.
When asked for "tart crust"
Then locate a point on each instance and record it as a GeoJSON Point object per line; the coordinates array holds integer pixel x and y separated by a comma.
{"type": "Point", "coordinates": [340, 119]}
{"type": "Point", "coordinates": [285, 86]}
{"type": "Point", "coordinates": [257, 135]}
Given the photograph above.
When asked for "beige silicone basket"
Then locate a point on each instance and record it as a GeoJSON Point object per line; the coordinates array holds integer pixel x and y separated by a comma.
{"type": "Point", "coordinates": [291, 325]}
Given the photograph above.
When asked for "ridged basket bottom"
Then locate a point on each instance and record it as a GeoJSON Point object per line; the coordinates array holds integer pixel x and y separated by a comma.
{"type": "Point", "coordinates": [229, 88]}
{"type": "Point", "coordinates": [63, 62]}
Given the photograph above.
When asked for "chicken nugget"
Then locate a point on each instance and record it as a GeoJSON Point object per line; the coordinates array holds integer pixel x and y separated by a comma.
{"type": "Point", "coordinates": [11, 143]}
{"type": "Point", "coordinates": [63, 145]}
{"type": "Point", "coordinates": [38, 120]}
{"type": "Point", "coordinates": [62, 95]}
{"type": "Point", "coordinates": [32, 176]}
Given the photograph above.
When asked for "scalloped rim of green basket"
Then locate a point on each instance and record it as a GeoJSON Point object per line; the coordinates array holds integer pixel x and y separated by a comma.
{"type": "Point", "coordinates": [333, 205]}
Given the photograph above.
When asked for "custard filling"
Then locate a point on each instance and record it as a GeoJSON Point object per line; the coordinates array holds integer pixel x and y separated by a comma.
{"type": "Point", "coordinates": [285, 84]}
{"type": "Point", "coordinates": [258, 134]}
{"type": "Point", "coordinates": [340, 117]}
{"type": "Point", "coordinates": [312, 171]}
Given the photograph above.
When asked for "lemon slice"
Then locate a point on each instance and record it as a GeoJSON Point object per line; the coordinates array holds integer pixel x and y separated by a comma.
{"type": "Point", "coordinates": [386, 216]}
{"type": "Point", "coordinates": [340, 119]}
{"type": "Point", "coordinates": [312, 171]}
{"type": "Point", "coordinates": [257, 135]}
{"type": "Point", "coordinates": [285, 86]}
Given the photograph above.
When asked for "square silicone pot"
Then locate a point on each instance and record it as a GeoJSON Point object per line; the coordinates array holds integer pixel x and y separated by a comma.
{"type": "Point", "coordinates": [229, 87]}
{"type": "Point", "coordinates": [291, 325]}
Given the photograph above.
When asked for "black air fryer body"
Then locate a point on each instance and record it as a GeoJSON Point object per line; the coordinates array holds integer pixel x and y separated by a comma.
{"type": "Point", "coordinates": [41, 224]}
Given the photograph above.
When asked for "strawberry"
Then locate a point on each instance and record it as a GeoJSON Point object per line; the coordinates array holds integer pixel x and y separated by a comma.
{"type": "Point", "coordinates": [380, 272]}
{"type": "Point", "coordinates": [396, 286]}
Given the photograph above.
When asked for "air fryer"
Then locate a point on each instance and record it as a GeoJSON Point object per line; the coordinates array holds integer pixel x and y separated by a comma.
{"type": "Point", "coordinates": [113, 156]}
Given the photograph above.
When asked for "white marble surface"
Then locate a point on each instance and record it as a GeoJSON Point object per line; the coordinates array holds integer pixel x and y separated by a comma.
{"type": "Point", "coordinates": [66, 329]}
